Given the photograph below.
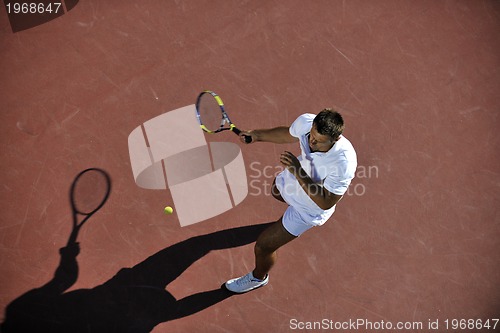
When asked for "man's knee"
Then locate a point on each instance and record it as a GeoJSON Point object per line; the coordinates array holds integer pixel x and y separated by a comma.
{"type": "Point", "coordinates": [272, 238]}
{"type": "Point", "coordinates": [262, 246]}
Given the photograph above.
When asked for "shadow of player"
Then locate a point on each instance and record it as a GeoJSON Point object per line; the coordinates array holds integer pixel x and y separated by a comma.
{"type": "Point", "coordinates": [134, 300]}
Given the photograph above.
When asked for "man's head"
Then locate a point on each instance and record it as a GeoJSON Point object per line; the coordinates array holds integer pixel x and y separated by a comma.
{"type": "Point", "coordinates": [327, 127]}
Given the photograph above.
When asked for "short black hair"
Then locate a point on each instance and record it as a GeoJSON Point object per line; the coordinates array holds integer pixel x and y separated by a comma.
{"type": "Point", "coordinates": [329, 122]}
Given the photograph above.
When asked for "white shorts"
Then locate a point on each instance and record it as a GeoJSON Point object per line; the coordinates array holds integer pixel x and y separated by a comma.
{"type": "Point", "coordinates": [294, 223]}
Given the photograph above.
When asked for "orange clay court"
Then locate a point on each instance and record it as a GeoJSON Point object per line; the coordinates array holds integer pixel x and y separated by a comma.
{"type": "Point", "coordinates": [412, 247]}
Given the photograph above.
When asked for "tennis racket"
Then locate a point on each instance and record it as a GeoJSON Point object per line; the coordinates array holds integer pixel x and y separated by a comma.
{"type": "Point", "coordinates": [89, 192]}
{"type": "Point", "coordinates": [212, 116]}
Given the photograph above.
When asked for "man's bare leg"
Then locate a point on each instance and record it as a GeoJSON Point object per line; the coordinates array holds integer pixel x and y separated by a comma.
{"type": "Point", "coordinates": [266, 246]}
{"type": "Point", "coordinates": [268, 242]}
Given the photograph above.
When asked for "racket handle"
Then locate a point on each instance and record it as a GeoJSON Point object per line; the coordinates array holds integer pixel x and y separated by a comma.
{"type": "Point", "coordinates": [73, 236]}
{"type": "Point", "coordinates": [248, 138]}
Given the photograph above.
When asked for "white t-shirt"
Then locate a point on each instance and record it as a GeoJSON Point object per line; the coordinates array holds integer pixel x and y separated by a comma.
{"type": "Point", "coordinates": [334, 170]}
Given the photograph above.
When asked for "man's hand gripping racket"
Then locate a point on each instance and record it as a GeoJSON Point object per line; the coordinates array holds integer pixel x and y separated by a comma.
{"type": "Point", "coordinates": [213, 117]}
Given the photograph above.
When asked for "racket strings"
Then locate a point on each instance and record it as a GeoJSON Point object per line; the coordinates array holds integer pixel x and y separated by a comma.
{"type": "Point", "coordinates": [89, 192]}
{"type": "Point", "coordinates": [210, 112]}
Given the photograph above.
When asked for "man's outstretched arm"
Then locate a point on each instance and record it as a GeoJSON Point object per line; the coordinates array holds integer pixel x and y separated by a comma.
{"type": "Point", "coordinates": [280, 135]}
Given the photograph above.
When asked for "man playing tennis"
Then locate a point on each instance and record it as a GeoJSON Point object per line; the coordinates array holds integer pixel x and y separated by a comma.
{"type": "Point", "coordinates": [311, 185]}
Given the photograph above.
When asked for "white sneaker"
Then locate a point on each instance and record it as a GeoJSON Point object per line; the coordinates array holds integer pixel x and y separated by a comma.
{"type": "Point", "coordinates": [246, 283]}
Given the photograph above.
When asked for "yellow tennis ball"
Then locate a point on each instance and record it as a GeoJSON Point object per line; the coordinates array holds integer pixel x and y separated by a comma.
{"type": "Point", "coordinates": [168, 210]}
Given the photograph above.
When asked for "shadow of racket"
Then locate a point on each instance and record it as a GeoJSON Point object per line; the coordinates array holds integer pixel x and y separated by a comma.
{"type": "Point", "coordinates": [89, 192]}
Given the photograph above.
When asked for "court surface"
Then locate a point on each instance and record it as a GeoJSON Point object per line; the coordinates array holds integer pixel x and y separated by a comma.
{"type": "Point", "coordinates": [415, 241]}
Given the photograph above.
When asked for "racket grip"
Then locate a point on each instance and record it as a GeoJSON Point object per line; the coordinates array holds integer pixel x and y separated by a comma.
{"type": "Point", "coordinates": [73, 236]}
{"type": "Point", "coordinates": [248, 138]}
